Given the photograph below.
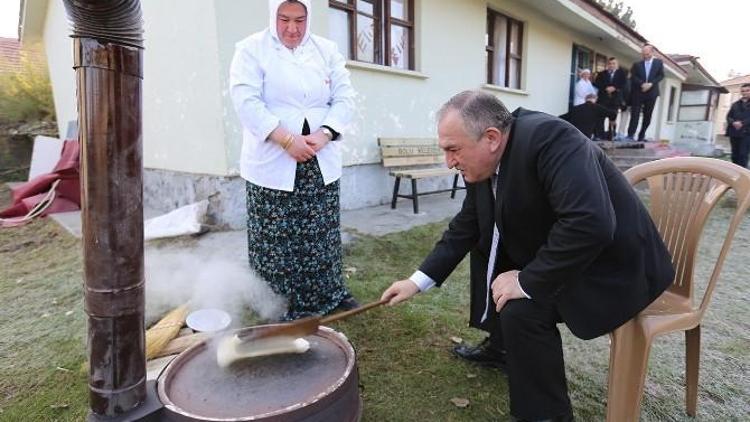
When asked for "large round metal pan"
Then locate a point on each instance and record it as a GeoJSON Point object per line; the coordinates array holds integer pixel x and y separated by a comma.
{"type": "Point", "coordinates": [316, 386]}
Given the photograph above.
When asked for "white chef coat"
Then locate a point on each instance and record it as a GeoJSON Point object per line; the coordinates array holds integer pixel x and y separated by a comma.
{"type": "Point", "coordinates": [272, 85]}
{"type": "Point", "coordinates": [582, 89]}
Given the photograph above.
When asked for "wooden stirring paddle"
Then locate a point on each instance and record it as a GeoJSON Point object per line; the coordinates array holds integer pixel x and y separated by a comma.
{"type": "Point", "coordinates": [276, 339]}
{"type": "Point", "coordinates": [304, 326]}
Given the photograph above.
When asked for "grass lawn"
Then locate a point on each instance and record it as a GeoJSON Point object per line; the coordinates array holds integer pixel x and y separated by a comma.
{"type": "Point", "coordinates": [406, 370]}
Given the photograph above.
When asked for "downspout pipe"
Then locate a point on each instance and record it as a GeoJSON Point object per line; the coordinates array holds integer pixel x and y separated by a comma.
{"type": "Point", "coordinates": [108, 62]}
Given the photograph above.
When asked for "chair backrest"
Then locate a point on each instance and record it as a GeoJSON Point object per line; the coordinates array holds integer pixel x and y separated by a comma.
{"type": "Point", "coordinates": [684, 190]}
{"type": "Point", "coordinates": [407, 152]}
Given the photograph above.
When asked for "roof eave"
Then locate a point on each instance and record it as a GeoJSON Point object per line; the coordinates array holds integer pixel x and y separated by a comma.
{"type": "Point", "coordinates": [32, 16]}
{"type": "Point", "coordinates": [623, 33]}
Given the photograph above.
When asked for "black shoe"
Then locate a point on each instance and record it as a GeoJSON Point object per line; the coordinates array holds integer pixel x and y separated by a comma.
{"type": "Point", "coordinates": [348, 304]}
{"type": "Point", "coordinates": [482, 354]}
{"type": "Point", "coordinates": [567, 417]}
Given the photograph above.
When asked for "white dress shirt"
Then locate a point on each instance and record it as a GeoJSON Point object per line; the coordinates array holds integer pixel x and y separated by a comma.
{"type": "Point", "coordinates": [425, 282]}
{"type": "Point", "coordinates": [272, 85]}
{"type": "Point", "coordinates": [647, 67]}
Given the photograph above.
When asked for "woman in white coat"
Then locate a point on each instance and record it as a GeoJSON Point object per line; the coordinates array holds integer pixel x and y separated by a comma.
{"type": "Point", "coordinates": [293, 96]}
{"type": "Point", "coordinates": [583, 88]}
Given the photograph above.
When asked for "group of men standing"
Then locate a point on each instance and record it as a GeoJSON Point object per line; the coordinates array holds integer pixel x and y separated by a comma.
{"type": "Point", "coordinates": [616, 91]}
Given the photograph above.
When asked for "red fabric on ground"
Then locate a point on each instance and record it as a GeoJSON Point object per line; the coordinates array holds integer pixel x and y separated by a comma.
{"type": "Point", "coordinates": [68, 191]}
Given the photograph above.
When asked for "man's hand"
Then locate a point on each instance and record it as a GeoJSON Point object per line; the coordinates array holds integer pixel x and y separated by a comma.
{"type": "Point", "coordinates": [400, 291]}
{"type": "Point", "coordinates": [646, 86]}
{"type": "Point", "coordinates": [505, 288]}
{"type": "Point", "coordinates": [299, 150]}
{"type": "Point", "coordinates": [610, 89]}
{"type": "Point", "coordinates": [737, 124]}
{"type": "Point", "coordinates": [316, 140]}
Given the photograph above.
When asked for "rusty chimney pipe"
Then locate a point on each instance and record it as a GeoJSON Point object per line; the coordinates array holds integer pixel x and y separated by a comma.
{"type": "Point", "coordinates": [108, 56]}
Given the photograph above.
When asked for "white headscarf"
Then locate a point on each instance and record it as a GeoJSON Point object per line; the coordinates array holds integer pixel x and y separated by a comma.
{"type": "Point", "coordinates": [273, 10]}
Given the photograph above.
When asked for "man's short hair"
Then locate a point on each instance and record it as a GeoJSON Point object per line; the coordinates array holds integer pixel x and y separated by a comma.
{"type": "Point", "coordinates": [611, 58]}
{"type": "Point", "coordinates": [745, 86]}
{"type": "Point", "coordinates": [479, 111]}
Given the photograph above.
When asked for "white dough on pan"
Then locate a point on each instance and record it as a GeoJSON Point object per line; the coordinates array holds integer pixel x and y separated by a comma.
{"type": "Point", "coordinates": [232, 349]}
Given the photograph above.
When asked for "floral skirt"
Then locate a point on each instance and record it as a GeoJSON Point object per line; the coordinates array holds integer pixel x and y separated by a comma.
{"type": "Point", "coordinates": [294, 241]}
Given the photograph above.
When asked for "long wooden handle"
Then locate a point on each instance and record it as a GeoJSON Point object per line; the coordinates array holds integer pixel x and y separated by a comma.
{"type": "Point", "coordinates": [301, 327]}
{"type": "Point", "coordinates": [347, 314]}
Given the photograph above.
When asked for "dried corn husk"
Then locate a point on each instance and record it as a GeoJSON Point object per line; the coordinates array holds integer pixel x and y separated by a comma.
{"type": "Point", "coordinates": [180, 344]}
{"type": "Point", "coordinates": [158, 336]}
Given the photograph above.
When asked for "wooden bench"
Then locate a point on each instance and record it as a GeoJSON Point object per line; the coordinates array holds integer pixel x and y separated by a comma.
{"type": "Point", "coordinates": [415, 158]}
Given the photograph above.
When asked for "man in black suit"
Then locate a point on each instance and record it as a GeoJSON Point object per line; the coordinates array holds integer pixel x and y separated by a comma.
{"type": "Point", "coordinates": [572, 243]}
{"type": "Point", "coordinates": [738, 127]}
{"type": "Point", "coordinates": [589, 115]}
{"type": "Point", "coordinates": [610, 83]}
{"type": "Point", "coordinates": [645, 76]}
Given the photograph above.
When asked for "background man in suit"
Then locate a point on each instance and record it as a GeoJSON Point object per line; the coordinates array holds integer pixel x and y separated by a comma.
{"type": "Point", "coordinates": [645, 76]}
{"type": "Point", "coordinates": [589, 116]}
{"type": "Point", "coordinates": [556, 234]}
{"type": "Point", "coordinates": [738, 127]}
{"type": "Point", "coordinates": [610, 84]}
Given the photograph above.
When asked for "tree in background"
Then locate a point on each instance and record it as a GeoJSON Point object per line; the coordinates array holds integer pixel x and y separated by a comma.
{"type": "Point", "coordinates": [26, 94]}
{"type": "Point", "coordinates": [618, 8]}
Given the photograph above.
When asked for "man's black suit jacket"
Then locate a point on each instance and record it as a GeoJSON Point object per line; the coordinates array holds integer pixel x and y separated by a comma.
{"type": "Point", "coordinates": [586, 116]}
{"type": "Point", "coordinates": [569, 220]}
{"type": "Point", "coordinates": [638, 76]}
{"type": "Point", "coordinates": [618, 81]}
{"type": "Point", "coordinates": [740, 110]}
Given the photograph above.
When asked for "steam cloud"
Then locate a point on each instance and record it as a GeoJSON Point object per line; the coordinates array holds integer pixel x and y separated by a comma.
{"type": "Point", "coordinates": [174, 277]}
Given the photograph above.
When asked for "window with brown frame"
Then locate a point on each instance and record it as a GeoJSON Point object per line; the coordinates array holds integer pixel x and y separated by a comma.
{"type": "Point", "coordinates": [374, 31]}
{"type": "Point", "coordinates": [504, 50]}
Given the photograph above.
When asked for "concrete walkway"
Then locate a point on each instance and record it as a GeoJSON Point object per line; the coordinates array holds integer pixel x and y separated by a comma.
{"type": "Point", "coordinates": [374, 221]}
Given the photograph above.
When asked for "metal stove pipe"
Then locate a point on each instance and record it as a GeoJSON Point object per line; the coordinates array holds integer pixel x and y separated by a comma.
{"type": "Point", "coordinates": [108, 45]}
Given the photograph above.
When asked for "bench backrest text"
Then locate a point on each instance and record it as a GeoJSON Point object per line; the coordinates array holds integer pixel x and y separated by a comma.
{"type": "Point", "coordinates": [401, 152]}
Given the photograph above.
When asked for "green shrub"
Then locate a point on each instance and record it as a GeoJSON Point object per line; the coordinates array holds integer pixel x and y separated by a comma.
{"type": "Point", "coordinates": [26, 95]}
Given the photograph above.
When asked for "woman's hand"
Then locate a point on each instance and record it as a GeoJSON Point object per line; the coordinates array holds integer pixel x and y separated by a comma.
{"type": "Point", "coordinates": [317, 140]}
{"type": "Point", "coordinates": [300, 150]}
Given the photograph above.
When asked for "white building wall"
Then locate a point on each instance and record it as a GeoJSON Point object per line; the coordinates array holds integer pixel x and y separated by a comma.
{"type": "Point", "coordinates": [450, 50]}
{"type": "Point", "coordinates": [402, 104]}
{"type": "Point", "coordinates": [189, 122]}
{"type": "Point", "coordinates": [58, 47]}
{"type": "Point", "coordinates": [183, 121]}
{"type": "Point", "coordinates": [547, 52]}
{"type": "Point", "coordinates": [183, 117]}
{"type": "Point", "coordinates": [234, 21]}
{"type": "Point", "coordinates": [668, 123]}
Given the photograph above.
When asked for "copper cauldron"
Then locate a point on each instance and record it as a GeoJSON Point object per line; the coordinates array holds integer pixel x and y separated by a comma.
{"type": "Point", "coordinates": [320, 385]}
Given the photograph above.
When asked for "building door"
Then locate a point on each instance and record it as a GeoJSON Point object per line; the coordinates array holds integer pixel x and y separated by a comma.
{"type": "Point", "coordinates": [583, 58]}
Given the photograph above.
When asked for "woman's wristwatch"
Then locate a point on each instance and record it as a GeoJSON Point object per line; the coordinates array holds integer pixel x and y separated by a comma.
{"type": "Point", "coordinates": [327, 132]}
